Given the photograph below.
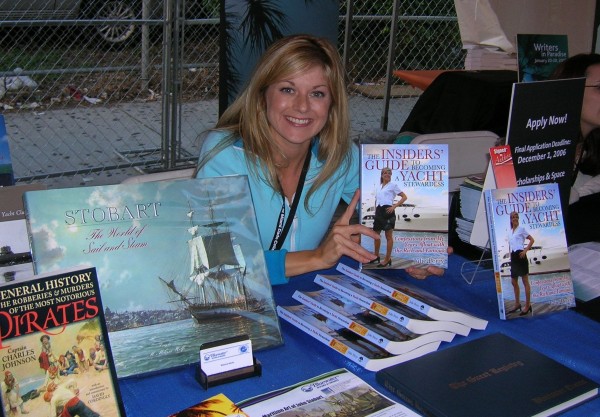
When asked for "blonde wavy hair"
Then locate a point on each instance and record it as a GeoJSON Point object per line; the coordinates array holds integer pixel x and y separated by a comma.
{"type": "Point", "coordinates": [246, 117]}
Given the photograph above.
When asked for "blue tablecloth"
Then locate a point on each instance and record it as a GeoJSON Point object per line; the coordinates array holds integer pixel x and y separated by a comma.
{"type": "Point", "coordinates": [567, 336]}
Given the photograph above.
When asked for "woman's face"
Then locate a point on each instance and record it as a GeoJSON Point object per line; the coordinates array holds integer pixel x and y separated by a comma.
{"type": "Point", "coordinates": [514, 219]}
{"type": "Point", "coordinates": [590, 110]}
{"type": "Point", "coordinates": [386, 175]}
{"type": "Point", "coordinates": [298, 108]}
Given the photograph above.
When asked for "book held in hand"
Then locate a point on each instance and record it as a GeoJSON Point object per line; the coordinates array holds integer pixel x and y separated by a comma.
{"type": "Point", "coordinates": [54, 347]}
{"type": "Point", "coordinates": [404, 191]}
{"type": "Point", "coordinates": [179, 262]}
{"type": "Point", "coordinates": [546, 264]}
{"type": "Point", "coordinates": [493, 376]}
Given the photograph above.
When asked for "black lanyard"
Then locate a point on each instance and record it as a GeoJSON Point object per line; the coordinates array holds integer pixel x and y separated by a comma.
{"type": "Point", "coordinates": [281, 230]}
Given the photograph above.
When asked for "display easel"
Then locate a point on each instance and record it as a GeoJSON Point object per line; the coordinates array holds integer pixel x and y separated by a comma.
{"type": "Point", "coordinates": [470, 269]}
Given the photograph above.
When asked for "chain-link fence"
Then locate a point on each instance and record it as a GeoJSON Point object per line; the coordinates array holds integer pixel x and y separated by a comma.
{"type": "Point", "coordinates": [93, 89]}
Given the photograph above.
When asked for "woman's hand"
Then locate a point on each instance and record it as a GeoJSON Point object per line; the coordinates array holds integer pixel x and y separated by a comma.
{"type": "Point", "coordinates": [425, 272]}
{"type": "Point", "coordinates": [342, 239]}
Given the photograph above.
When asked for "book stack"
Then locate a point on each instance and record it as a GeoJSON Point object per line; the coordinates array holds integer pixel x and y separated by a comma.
{"type": "Point", "coordinates": [480, 58]}
{"type": "Point", "coordinates": [469, 196]}
{"type": "Point", "coordinates": [374, 321]}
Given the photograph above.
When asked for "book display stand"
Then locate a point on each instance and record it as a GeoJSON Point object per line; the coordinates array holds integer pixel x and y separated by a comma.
{"type": "Point", "coordinates": [469, 270]}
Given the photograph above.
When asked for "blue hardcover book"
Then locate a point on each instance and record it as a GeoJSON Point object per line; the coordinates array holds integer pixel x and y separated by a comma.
{"type": "Point", "coordinates": [493, 376]}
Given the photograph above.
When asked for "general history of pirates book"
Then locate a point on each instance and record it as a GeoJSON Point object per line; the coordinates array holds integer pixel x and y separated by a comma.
{"type": "Point", "coordinates": [55, 354]}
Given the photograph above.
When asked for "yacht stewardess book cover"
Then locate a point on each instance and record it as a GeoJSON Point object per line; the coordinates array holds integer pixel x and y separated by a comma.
{"type": "Point", "coordinates": [404, 190]}
{"type": "Point", "coordinates": [54, 348]}
{"type": "Point", "coordinates": [179, 263]}
{"type": "Point", "coordinates": [539, 214]}
{"type": "Point", "coordinates": [493, 376]}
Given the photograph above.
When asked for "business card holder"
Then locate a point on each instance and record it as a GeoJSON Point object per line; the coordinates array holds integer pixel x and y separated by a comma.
{"type": "Point", "coordinates": [224, 355]}
{"type": "Point", "coordinates": [208, 381]}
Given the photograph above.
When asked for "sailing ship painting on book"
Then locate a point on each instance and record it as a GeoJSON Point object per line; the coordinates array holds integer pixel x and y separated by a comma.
{"type": "Point", "coordinates": [404, 196]}
{"type": "Point", "coordinates": [543, 284]}
{"type": "Point", "coordinates": [179, 263]}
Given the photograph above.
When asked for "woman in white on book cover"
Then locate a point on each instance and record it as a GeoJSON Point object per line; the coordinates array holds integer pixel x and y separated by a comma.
{"type": "Point", "coordinates": [385, 214]}
{"type": "Point", "coordinates": [519, 264]}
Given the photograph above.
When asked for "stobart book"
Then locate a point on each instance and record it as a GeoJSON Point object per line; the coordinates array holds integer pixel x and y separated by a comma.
{"type": "Point", "coordinates": [179, 263]}
{"type": "Point", "coordinates": [55, 355]}
{"type": "Point", "coordinates": [404, 196]}
{"type": "Point", "coordinates": [544, 268]}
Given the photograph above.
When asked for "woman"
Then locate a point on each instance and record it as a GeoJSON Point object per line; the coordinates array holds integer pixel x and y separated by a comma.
{"type": "Point", "coordinates": [288, 131]}
{"type": "Point", "coordinates": [519, 264]}
{"type": "Point", "coordinates": [385, 214]}
{"type": "Point", "coordinates": [585, 191]}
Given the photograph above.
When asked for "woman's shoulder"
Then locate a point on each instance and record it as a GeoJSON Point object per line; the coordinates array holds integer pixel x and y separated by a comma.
{"type": "Point", "coordinates": [213, 138]}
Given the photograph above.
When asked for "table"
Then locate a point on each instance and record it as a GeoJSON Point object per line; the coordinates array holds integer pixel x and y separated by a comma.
{"type": "Point", "coordinates": [419, 78]}
{"type": "Point", "coordinates": [567, 336]}
{"type": "Point", "coordinates": [459, 101]}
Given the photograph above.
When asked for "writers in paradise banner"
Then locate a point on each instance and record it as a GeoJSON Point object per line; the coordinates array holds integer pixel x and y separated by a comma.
{"type": "Point", "coordinates": [544, 281]}
{"type": "Point", "coordinates": [404, 197]}
{"type": "Point", "coordinates": [55, 358]}
{"type": "Point", "coordinates": [538, 55]}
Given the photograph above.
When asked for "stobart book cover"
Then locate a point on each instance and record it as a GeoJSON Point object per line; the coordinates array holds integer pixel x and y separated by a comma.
{"type": "Point", "coordinates": [54, 352]}
{"type": "Point", "coordinates": [529, 250]}
{"type": "Point", "coordinates": [404, 197]}
{"type": "Point", "coordinates": [179, 263]}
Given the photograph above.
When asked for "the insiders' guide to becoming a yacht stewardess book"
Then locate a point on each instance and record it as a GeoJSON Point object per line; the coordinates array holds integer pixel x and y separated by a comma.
{"type": "Point", "coordinates": [179, 263]}
{"type": "Point", "coordinates": [420, 223]}
{"type": "Point", "coordinates": [540, 215]}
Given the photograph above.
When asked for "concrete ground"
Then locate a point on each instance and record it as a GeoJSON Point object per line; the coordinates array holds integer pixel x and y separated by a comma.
{"type": "Point", "coordinates": [108, 137]}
